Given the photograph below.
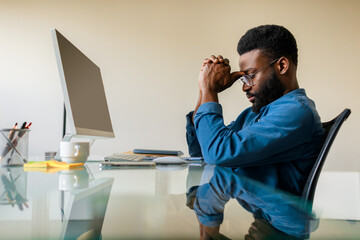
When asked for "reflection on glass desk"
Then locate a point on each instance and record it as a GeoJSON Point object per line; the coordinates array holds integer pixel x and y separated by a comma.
{"type": "Point", "coordinates": [277, 214]}
{"type": "Point", "coordinates": [68, 204]}
{"type": "Point", "coordinates": [191, 202]}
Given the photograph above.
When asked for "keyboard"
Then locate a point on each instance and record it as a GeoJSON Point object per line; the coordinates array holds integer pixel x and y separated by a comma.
{"type": "Point", "coordinates": [125, 157]}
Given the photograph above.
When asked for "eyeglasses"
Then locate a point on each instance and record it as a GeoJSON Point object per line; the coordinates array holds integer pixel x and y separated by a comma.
{"type": "Point", "coordinates": [247, 79]}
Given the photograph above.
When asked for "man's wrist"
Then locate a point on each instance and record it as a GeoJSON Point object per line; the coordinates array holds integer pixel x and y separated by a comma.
{"type": "Point", "coordinates": [209, 96]}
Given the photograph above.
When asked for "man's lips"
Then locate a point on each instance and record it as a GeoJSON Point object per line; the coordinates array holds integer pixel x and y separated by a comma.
{"type": "Point", "coordinates": [251, 97]}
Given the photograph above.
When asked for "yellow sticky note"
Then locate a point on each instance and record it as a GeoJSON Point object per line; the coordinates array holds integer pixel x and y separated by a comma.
{"type": "Point", "coordinates": [36, 165]}
{"type": "Point", "coordinates": [58, 164]}
{"type": "Point", "coordinates": [51, 164]}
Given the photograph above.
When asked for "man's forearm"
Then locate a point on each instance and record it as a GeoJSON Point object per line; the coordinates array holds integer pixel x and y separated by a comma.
{"type": "Point", "coordinates": [204, 97]}
{"type": "Point", "coordinates": [208, 96]}
{"type": "Point", "coordinates": [198, 104]}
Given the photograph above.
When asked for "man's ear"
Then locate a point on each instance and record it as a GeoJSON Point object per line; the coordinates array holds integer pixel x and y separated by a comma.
{"type": "Point", "coordinates": [283, 65]}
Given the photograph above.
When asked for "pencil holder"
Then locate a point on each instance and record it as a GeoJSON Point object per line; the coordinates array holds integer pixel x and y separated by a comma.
{"type": "Point", "coordinates": [14, 145]}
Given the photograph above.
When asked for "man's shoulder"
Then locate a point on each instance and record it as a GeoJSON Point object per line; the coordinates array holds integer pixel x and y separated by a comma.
{"type": "Point", "coordinates": [296, 100]}
{"type": "Point", "coordinates": [299, 96]}
{"type": "Point", "coordinates": [294, 106]}
{"type": "Point", "coordinates": [295, 109]}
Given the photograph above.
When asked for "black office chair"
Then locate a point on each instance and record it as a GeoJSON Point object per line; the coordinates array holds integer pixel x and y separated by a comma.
{"type": "Point", "coordinates": [331, 129]}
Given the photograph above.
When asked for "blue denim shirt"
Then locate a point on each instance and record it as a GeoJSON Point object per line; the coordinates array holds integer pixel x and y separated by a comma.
{"type": "Point", "coordinates": [286, 136]}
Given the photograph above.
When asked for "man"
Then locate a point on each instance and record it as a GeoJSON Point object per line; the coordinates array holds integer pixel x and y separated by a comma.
{"type": "Point", "coordinates": [281, 131]}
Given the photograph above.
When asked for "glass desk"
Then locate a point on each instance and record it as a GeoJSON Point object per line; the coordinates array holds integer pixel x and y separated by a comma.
{"type": "Point", "coordinates": [172, 202]}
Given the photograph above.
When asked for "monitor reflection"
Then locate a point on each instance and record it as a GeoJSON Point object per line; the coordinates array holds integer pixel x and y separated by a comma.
{"type": "Point", "coordinates": [83, 204]}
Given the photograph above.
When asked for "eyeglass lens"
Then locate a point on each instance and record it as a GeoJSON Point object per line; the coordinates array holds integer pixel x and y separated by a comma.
{"type": "Point", "coordinates": [246, 80]}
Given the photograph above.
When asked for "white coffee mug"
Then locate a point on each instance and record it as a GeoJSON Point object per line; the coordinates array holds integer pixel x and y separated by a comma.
{"type": "Point", "coordinates": [74, 152]}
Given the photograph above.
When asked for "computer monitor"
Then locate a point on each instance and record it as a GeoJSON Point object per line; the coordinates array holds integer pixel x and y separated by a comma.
{"type": "Point", "coordinates": [83, 89]}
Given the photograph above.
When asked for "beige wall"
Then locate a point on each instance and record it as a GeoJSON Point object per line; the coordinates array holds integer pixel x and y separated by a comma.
{"type": "Point", "coordinates": [150, 53]}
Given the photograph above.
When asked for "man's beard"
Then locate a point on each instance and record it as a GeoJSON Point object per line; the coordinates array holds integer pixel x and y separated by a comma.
{"type": "Point", "coordinates": [270, 90]}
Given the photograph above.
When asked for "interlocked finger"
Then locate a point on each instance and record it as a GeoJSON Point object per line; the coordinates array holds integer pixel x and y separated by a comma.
{"type": "Point", "coordinates": [214, 59]}
{"type": "Point", "coordinates": [221, 59]}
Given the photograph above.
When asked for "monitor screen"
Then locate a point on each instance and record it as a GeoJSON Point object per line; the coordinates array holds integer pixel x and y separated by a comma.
{"type": "Point", "coordinates": [84, 94]}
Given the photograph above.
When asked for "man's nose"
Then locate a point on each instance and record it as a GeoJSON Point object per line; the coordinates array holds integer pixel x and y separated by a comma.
{"type": "Point", "coordinates": [245, 87]}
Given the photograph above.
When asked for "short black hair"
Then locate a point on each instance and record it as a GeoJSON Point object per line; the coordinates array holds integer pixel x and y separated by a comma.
{"type": "Point", "coordinates": [274, 41]}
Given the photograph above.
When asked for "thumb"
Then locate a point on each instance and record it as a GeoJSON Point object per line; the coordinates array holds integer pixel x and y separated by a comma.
{"type": "Point", "coordinates": [235, 76]}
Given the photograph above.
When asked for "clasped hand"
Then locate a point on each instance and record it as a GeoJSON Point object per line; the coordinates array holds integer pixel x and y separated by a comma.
{"type": "Point", "coordinates": [215, 75]}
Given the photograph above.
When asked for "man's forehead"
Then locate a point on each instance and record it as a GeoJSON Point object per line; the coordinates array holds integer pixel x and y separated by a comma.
{"type": "Point", "coordinates": [250, 60]}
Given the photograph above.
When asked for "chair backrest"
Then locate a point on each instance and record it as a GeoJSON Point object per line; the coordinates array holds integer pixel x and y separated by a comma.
{"type": "Point", "coordinates": [331, 130]}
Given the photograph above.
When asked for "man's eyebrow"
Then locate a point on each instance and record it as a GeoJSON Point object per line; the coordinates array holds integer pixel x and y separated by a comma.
{"type": "Point", "coordinates": [247, 70]}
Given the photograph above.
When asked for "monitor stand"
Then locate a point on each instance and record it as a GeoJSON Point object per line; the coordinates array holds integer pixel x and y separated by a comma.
{"type": "Point", "coordinates": [68, 136]}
